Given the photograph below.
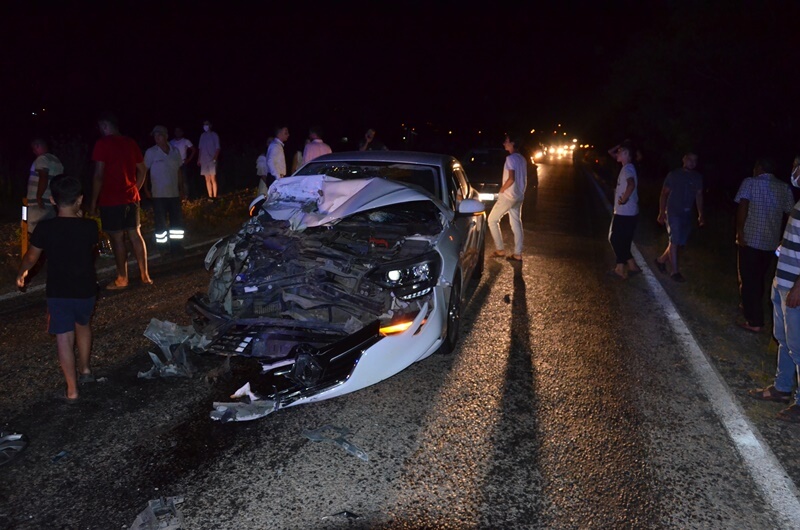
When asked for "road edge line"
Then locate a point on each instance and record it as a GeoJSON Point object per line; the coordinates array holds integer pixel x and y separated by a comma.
{"type": "Point", "coordinates": [763, 466]}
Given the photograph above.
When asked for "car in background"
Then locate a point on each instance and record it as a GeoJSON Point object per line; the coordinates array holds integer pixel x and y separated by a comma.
{"type": "Point", "coordinates": [354, 268]}
{"type": "Point", "coordinates": [484, 166]}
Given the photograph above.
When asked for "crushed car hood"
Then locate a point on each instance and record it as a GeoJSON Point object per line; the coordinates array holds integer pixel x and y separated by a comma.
{"type": "Point", "coordinates": [316, 200]}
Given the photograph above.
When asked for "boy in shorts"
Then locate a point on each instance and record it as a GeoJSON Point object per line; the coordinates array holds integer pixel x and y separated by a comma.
{"type": "Point", "coordinates": [70, 242]}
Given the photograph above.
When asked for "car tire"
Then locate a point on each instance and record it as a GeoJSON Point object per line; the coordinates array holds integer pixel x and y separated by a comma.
{"type": "Point", "coordinates": [453, 322]}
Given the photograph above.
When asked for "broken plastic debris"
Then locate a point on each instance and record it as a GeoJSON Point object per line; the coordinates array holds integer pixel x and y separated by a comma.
{"type": "Point", "coordinates": [166, 335]}
{"type": "Point", "coordinates": [160, 514]}
{"type": "Point", "coordinates": [11, 445]}
{"type": "Point", "coordinates": [227, 412]}
{"type": "Point", "coordinates": [344, 513]}
{"type": "Point", "coordinates": [245, 391]}
{"type": "Point", "coordinates": [329, 433]}
{"type": "Point", "coordinates": [177, 366]}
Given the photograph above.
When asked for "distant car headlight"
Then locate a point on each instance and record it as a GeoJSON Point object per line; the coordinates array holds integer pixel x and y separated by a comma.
{"type": "Point", "coordinates": [410, 278]}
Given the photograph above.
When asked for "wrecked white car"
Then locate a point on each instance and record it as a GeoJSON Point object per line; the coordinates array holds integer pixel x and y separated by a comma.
{"type": "Point", "coordinates": [352, 270]}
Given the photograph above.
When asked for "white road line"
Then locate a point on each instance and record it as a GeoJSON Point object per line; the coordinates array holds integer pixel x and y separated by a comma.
{"type": "Point", "coordinates": [40, 287]}
{"type": "Point", "coordinates": [767, 472]}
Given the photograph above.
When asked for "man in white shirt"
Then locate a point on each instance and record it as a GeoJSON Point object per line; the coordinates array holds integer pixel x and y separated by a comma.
{"type": "Point", "coordinates": [43, 169]}
{"type": "Point", "coordinates": [163, 161]}
{"type": "Point", "coordinates": [188, 151]}
{"type": "Point", "coordinates": [276, 159]}
{"type": "Point", "coordinates": [509, 201]}
{"type": "Point", "coordinates": [316, 147]}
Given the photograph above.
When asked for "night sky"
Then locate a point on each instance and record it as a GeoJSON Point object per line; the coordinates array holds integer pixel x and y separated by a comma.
{"type": "Point", "coordinates": [248, 66]}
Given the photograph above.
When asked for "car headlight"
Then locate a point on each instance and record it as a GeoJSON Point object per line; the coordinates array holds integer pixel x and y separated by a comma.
{"type": "Point", "coordinates": [410, 278]}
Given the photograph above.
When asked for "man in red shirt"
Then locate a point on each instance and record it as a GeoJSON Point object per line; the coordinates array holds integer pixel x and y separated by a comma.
{"type": "Point", "coordinates": [118, 174]}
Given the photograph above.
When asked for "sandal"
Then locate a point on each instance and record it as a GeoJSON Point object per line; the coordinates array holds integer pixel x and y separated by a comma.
{"type": "Point", "coordinates": [514, 257]}
{"type": "Point", "coordinates": [771, 393]}
{"type": "Point", "coordinates": [791, 414]}
{"type": "Point", "coordinates": [86, 378]}
{"type": "Point", "coordinates": [499, 254]}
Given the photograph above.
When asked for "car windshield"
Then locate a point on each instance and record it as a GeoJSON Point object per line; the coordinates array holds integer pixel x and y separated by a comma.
{"type": "Point", "coordinates": [419, 175]}
{"type": "Point", "coordinates": [488, 157]}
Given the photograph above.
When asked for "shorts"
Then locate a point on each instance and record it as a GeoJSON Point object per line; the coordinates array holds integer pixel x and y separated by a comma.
{"type": "Point", "coordinates": [64, 313]}
{"type": "Point", "coordinates": [679, 227]}
{"type": "Point", "coordinates": [208, 168]}
{"type": "Point", "coordinates": [119, 218]}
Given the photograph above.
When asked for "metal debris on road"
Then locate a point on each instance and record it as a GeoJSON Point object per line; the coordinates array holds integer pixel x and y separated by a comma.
{"type": "Point", "coordinates": [329, 433]}
{"type": "Point", "coordinates": [11, 445]}
{"type": "Point", "coordinates": [160, 514]}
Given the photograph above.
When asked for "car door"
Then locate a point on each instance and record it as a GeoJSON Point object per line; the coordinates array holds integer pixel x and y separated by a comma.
{"type": "Point", "coordinates": [469, 226]}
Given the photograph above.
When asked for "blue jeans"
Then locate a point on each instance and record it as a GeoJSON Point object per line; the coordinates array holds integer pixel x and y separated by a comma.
{"type": "Point", "coordinates": [787, 333]}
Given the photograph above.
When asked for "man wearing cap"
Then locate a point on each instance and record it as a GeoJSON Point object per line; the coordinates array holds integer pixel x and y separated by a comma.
{"type": "Point", "coordinates": [119, 173]}
{"type": "Point", "coordinates": [167, 183]}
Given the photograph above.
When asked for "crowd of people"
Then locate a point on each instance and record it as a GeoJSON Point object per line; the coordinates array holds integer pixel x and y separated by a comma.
{"type": "Point", "coordinates": [763, 202]}
{"type": "Point", "coordinates": [57, 228]}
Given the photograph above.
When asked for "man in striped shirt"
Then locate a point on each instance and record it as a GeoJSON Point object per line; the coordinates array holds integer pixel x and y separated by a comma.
{"type": "Point", "coordinates": [786, 312]}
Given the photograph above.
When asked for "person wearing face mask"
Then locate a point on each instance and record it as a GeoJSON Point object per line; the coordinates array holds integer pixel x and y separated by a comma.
{"type": "Point", "coordinates": [207, 160]}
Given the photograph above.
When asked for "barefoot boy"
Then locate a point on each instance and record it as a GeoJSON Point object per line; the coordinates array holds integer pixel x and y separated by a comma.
{"type": "Point", "coordinates": [69, 241]}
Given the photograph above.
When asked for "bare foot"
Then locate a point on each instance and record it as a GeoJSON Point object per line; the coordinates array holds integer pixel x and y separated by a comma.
{"type": "Point", "coordinates": [147, 281]}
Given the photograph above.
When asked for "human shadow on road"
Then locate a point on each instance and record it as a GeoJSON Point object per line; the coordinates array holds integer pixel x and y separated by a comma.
{"type": "Point", "coordinates": [512, 484]}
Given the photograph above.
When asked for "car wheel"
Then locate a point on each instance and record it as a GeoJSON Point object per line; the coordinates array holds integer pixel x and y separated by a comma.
{"type": "Point", "coordinates": [453, 322]}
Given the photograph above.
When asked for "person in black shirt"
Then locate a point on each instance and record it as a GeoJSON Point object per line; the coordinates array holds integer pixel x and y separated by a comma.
{"type": "Point", "coordinates": [70, 242]}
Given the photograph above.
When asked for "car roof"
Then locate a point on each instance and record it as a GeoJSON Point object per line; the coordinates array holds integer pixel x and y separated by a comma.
{"type": "Point", "coordinates": [407, 157]}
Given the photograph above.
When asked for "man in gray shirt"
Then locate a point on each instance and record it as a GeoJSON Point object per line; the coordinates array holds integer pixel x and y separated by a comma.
{"type": "Point", "coordinates": [682, 189]}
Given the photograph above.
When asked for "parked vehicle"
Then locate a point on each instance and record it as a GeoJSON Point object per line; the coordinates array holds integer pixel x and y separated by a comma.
{"type": "Point", "coordinates": [484, 166]}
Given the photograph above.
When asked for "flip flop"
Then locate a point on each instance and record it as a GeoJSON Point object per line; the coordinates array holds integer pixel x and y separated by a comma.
{"type": "Point", "coordinates": [86, 378]}
{"type": "Point", "coordinates": [498, 254]}
{"type": "Point", "coordinates": [514, 257]}
{"type": "Point", "coordinates": [770, 393]}
{"type": "Point", "coordinates": [114, 287]}
{"type": "Point", "coordinates": [62, 397]}
{"type": "Point", "coordinates": [791, 414]}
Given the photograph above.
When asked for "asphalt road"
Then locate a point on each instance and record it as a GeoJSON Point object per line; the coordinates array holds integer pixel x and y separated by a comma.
{"type": "Point", "coordinates": [570, 403]}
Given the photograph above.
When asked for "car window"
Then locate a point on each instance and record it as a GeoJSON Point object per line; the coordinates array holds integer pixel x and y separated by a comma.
{"type": "Point", "coordinates": [420, 175]}
{"type": "Point", "coordinates": [461, 180]}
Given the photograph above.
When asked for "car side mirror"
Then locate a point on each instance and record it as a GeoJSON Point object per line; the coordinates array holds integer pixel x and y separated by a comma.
{"type": "Point", "coordinates": [471, 207]}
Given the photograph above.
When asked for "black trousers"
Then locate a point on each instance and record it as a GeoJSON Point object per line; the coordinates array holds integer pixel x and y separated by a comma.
{"type": "Point", "coordinates": [753, 266]}
{"type": "Point", "coordinates": [620, 235]}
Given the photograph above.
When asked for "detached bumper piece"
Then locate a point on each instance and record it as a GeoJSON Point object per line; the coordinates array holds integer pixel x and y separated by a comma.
{"type": "Point", "coordinates": [314, 370]}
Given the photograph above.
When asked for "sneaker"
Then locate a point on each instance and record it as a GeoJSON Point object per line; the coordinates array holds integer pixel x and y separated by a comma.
{"type": "Point", "coordinates": [678, 277]}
